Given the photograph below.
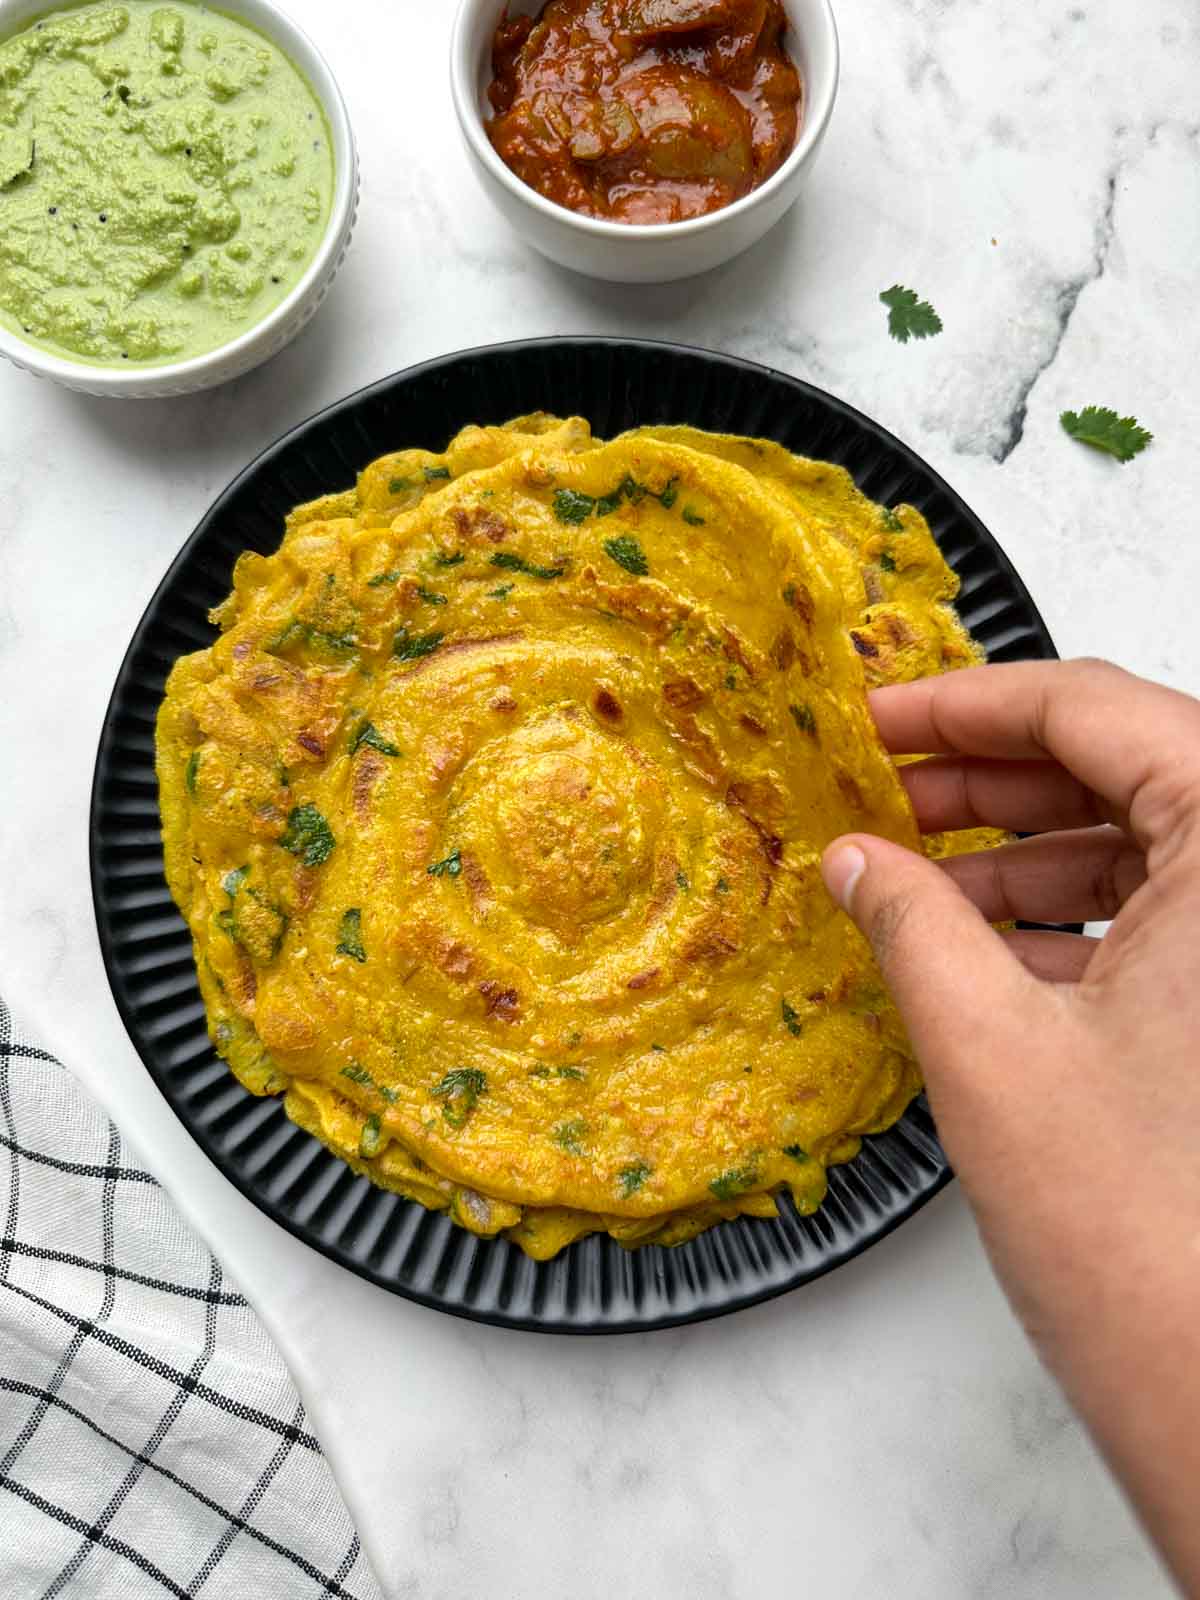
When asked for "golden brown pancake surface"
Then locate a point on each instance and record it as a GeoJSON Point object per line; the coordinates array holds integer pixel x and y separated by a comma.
{"type": "Point", "coordinates": [496, 814]}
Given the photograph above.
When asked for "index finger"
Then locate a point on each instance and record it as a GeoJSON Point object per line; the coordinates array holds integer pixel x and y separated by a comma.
{"type": "Point", "coordinates": [1115, 732]}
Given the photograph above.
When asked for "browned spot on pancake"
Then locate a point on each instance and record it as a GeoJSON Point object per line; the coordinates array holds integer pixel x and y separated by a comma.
{"type": "Point", "coordinates": [366, 769]}
{"type": "Point", "coordinates": [241, 649]}
{"type": "Point", "coordinates": [453, 957]}
{"type": "Point", "coordinates": [816, 996]}
{"type": "Point", "coordinates": [475, 879]}
{"type": "Point", "coordinates": [644, 604]}
{"type": "Point", "coordinates": [701, 753]}
{"type": "Point", "coordinates": [502, 1003]}
{"type": "Point", "coordinates": [643, 980]}
{"type": "Point", "coordinates": [538, 475]}
{"type": "Point", "coordinates": [864, 646]}
{"type": "Point", "coordinates": [783, 649]}
{"type": "Point", "coordinates": [710, 944]}
{"type": "Point", "coordinates": [666, 888]}
{"type": "Point", "coordinates": [894, 629]}
{"type": "Point", "coordinates": [801, 602]}
{"type": "Point", "coordinates": [479, 524]}
{"type": "Point", "coordinates": [310, 742]}
{"type": "Point", "coordinates": [246, 982]}
{"type": "Point", "coordinates": [304, 885]}
{"type": "Point", "coordinates": [443, 759]}
{"type": "Point", "coordinates": [682, 693]}
{"type": "Point", "coordinates": [758, 797]}
{"type": "Point", "coordinates": [504, 701]}
{"type": "Point", "coordinates": [752, 800]}
{"type": "Point", "coordinates": [606, 705]}
{"type": "Point", "coordinates": [751, 724]}
{"type": "Point", "coordinates": [851, 793]}
{"type": "Point", "coordinates": [734, 649]}
{"type": "Point", "coordinates": [266, 680]}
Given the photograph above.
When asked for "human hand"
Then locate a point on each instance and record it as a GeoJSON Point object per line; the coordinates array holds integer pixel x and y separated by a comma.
{"type": "Point", "coordinates": [1063, 1071]}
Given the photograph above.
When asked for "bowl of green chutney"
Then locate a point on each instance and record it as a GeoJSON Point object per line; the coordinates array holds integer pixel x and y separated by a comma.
{"type": "Point", "coordinates": [178, 187]}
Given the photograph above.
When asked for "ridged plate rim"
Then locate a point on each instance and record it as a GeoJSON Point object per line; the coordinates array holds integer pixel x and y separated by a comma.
{"type": "Point", "coordinates": [594, 1286]}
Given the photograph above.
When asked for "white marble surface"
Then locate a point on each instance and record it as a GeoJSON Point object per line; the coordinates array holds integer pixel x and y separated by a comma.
{"type": "Point", "coordinates": [1034, 171]}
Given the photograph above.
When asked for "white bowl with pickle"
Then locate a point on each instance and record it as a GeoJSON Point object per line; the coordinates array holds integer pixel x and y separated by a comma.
{"type": "Point", "coordinates": [646, 140]}
{"type": "Point", "coordinates": [177, 191]}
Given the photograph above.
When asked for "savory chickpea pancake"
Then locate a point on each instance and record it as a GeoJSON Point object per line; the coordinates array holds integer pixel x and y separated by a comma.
{"type": "Point", "coordinates": [496, 814]}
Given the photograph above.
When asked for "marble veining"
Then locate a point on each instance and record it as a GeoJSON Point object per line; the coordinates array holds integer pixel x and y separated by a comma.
{"type": "Point", "coordinates": [1034, 171]}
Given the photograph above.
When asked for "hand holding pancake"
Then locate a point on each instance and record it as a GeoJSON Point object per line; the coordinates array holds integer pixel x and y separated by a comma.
{"type": "Point", "coordinates": [1062, 1069]}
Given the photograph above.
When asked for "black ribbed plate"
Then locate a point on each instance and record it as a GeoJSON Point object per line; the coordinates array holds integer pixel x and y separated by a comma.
{"type": "Point", "coordinates": [594, 1286]}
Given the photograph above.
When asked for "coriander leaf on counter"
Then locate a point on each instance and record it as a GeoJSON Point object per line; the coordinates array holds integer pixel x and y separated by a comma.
{"type": "Point", "coordinates": [308, 835]}
{"type": "Point", "coordinates": [350, 935]}
{"type": "Point", "coordinates": [1103, 429]}
{"type": "Point", "coordinates": [627, 553]}
{"type": "Point", "coordinates": [908, 317]}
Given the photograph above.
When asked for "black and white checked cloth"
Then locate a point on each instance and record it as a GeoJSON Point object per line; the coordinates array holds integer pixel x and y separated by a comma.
{"type": "Point", "coordinates": [151, 1440]}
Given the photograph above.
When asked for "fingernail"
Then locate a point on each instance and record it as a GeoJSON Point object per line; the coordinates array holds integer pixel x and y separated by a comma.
{"type": "Point", "coordinates": [841, 868]}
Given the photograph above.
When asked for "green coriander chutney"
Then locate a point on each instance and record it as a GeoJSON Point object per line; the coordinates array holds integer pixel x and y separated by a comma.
{"type": "Point", "coordinates": [166, 177]}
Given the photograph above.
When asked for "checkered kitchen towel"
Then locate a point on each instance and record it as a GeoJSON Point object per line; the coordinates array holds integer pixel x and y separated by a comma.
{"type": "Point", "coordinates": [151, 1441]}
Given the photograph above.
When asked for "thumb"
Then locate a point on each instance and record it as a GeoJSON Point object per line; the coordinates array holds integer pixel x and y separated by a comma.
{"type": "Point", "coordinates": [958, 987]}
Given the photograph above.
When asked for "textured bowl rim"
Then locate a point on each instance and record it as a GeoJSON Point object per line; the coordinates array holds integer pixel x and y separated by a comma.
{"type": "Point", "coordinates": [820, 97]}
{"type": "Point", "coordinates": [580, 347]}
{"type": "Point", "coordinates": [300, 50]}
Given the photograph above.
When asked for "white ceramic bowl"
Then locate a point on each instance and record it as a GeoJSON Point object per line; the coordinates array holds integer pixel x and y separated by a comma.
{"type": "Point", "coordinates": [628, 253]}
{"type": "Point", "coordinates": [265, 338]}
